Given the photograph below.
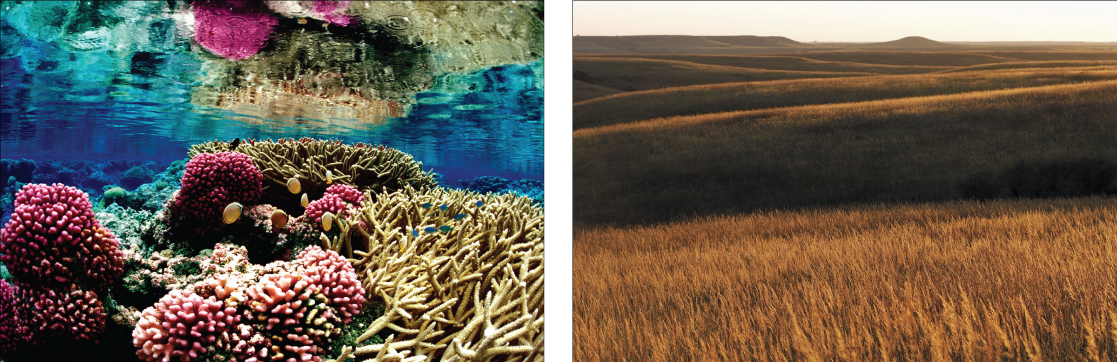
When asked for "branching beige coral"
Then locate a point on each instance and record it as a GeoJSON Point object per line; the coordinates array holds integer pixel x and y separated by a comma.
{"type": "Point", "coordinates": [366, 167]}
{"type": "Point", "coordinates": [460, 281]}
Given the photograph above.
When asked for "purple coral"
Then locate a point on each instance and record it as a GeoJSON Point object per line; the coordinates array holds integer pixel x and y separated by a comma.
{"type": "Point", "coordinates": [181, 326]}
{"type": "Point", "coordinates": [212, 181]}
{"type": "Point", "coordinates": [53, 239]}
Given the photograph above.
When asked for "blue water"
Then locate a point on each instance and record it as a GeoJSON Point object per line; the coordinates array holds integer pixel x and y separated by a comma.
{"type": "Point", "coordinates": [61, 103]}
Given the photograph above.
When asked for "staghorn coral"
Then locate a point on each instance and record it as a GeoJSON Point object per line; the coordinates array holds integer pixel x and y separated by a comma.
{"type": "Point", "coordinates": [53, 239]}
{"type": "Point", "coordinates": [211, 182]}
{"type": "Point", "coordinates": [365, 167]}
{"type": "Point", "coordinates": [471, 291]}
{"type": "Point", "coordinates": [181, 326]}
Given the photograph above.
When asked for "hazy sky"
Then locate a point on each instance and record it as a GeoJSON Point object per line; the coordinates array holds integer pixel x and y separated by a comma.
{"type": "Point", "coordinates": [854, 21]}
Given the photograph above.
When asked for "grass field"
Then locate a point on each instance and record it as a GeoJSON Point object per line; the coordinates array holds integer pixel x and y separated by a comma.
{"type": "Point", "coordinates": [1006, 280]}
{"type": "Point", "coordinates": [632, 74]}
{"type": "Point", "coordinates": [725, 97]}
{"type": "Point", "coordinates": [907, 149]}
{"type": "Point", "coordinates": [925, 206]}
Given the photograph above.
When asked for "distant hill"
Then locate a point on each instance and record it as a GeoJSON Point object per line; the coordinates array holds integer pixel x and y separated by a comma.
{"type": "Point", "coordinates": [911, 42]}
{"type": "Point", "coordinates": [680, 44]}
{"type": "Point", "coordinates": [756, 41]}
{"type": "Point", "coordinates": [751, 44]}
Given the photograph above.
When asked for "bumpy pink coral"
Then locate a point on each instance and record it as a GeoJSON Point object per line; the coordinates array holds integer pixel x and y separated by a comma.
{"type": "Point", "coordinates": [214, 180]}
{"type": "Point", "coordinates": [68, 311]}
{"type": "Point", "coordinates": [53, 239]}
{"type": "Point", "coordinates": [14, 332]}
{"type": "Point", "coordinates": [181, 326]}
{"type": "Point", "coordinates": [329, 202]}
{"type": "Point", "coordinates": [337, 279]}
{"type": "Point", "coordinates": [339, 199]}
{"type": "Point", "coordinates": [294, 310]}
{"type": "Point", "coordinates": [347, 193]}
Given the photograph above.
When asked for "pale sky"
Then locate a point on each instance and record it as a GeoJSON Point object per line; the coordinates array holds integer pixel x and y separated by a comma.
{"type": "Point", "coordinates": [1094, 21]}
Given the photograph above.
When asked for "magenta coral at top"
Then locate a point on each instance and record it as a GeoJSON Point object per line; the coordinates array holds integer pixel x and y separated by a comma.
{"type": "Point", "coordinates": [233, 29]}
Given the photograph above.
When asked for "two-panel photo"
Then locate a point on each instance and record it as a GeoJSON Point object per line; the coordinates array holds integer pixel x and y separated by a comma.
{"type": "Point", "coordinates": [356, 181]}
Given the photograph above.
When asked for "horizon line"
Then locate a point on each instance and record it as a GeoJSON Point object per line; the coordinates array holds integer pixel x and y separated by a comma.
{"type": "Point", "coordinates": [878, 41]}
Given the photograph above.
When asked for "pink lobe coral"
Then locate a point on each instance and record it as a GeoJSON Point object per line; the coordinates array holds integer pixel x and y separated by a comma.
{"type": "Point", "coordinates": [337, 200]}
{"type": "Point", "coordinates": [181, 326]}
{"type": "Point", "coordinates": [347, 193]}
{"type": "Point", "coordinates": [212, 181]}
{"type": "Point", "coordinates": [294, 314]}
{"type": "Point", "coordinates": [68, 311]}
{"type": "Point", "coordinates": [53, 239]}
{"type": "Point", "coordinates": [232, 29]}
{"type": "Point", "coordinates": [14, 332]}
{"type": "Point", "coordinates": [336, 278]}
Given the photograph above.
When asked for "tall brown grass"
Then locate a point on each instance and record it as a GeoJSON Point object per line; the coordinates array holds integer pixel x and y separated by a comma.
{"type": "Point", "coordinates": [966, 281]}
{"type": "Point", "coordinates": [914, 149]}
{"type": "Point", "coordinates": [724, 97]}
{"type": "Point", "coordinates": [585, 91]}
{"type": "Point", "coordinates": [1035, 64]}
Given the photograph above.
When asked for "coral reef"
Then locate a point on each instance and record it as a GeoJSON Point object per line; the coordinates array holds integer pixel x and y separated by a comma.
{"type": "Point", "coordinates": [250, 312]}
{"type": "Point", "coordinates": [210, 183]}
{"type": "Point", "coordinates": [54, 239]}
{"type": "Point", "coordinates": [23, 169]}
{"type": "Point", "coordinates": [524, 187]}
{"type": "Point", "coordinates": [451, 274]}
{"type": "Point", "coordinates": [366, 167]}
{"type": "Point", "coordinates": [461, 273]}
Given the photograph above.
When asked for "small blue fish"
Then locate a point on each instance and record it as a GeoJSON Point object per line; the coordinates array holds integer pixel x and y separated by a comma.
{"type": "Point", "coordinates": [427, 205]}
{"type": "Point", "coordinates": [430, 229]}
{"type": "Point", "coordinates": [445, 228]}
{"type": "Point", "coordinates": [443, 207]}
{"type": "Point", "coordinates": [459, 216]}
{"type": "Point", "coordinates": [414, 232]}
{"type": "Point", "coordinates": [479, 203]}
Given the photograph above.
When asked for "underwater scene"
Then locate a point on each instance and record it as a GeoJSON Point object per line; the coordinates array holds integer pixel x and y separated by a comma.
{"type": "Point", "coordinates": [271, 181]}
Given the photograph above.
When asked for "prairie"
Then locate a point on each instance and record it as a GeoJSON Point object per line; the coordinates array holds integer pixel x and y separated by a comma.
{"type": "Point", "coordinates": [630, 74]}
{"type": "Point", "coordinates": [958, 204]}
{"type": "Point", "coordinates": [907, 149]}
{"type": "Point", "coordinates": [782, 62]}
{"type": "Point", "coordinates": [984, 281]}
{"type": "Point", "coordinates": [724, 97]}
{"type": "Point", "coordinates": [585, 91]}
